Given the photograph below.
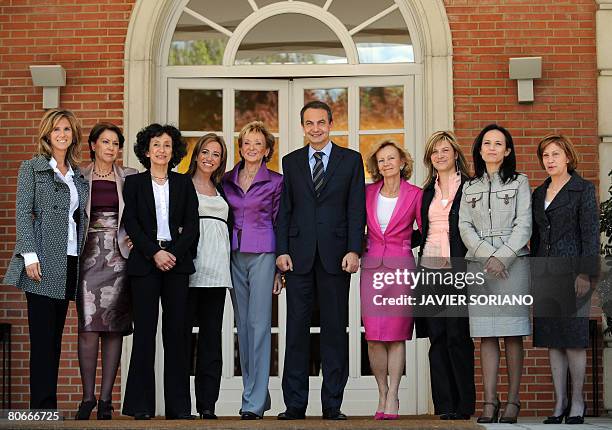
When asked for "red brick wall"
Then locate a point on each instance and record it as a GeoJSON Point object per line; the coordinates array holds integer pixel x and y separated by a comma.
{"type": "Point", "coordinates": [485, 35]}
{"type": "Point", "coordinates": [87, 37]}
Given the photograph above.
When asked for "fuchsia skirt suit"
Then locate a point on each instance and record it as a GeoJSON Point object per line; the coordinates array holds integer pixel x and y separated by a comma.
{"type": "Point", "coordinates": [383, 312]}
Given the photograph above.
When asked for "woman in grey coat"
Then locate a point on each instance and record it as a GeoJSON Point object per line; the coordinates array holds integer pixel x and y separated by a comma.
{"type": "Point", "coordinates": [50, 218]}
{"type": "Point", "coordinates": [495, 225]}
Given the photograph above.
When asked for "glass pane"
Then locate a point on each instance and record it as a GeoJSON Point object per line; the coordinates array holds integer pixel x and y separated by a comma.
{"type": "Point", "coordinates": [200, 110]}
{"type": "Point", "coordinates": [367, 143]}
{"type": "Point", "coordinates": [256, 106]}
{"type": "Point", "coordinates": [381, 108]}
{"type": "Point", "coordinates": [273, 164]}
{"type": "Point", "coordinates": [291, 39]}
{"type": "Point", "coordinates": [354, 12]}
{"type": "Point", "coordinates": [337, 99]}
{"type": "Point", "coordinates": [228, 16]}
{"type": "Point", "coordinates": [183, 166]}
{"type": "Point", "coordinates": [273, 358]}
{"type": "Point", "coordinates": [385, 41]}
{"type": "Point", "coordinates": [195, 43]}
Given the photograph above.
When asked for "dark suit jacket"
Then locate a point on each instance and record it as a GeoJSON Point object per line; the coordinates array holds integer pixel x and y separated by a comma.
{"type": "Point", "coordinates": [566, 234]}
{"type": "Point", "coordinates": [141, 222]}
{"type": "Point", "coordinates": [332, 224]}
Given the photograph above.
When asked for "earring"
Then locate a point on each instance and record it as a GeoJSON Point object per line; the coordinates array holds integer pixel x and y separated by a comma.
{"type": "Point", "coordinates": [456, 165]}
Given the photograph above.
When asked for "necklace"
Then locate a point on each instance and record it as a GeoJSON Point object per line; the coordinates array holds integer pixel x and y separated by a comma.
{"type": "Point", "coordinates": [389, 194]}
{"type": "Point", "coordinates": [102, 175]}
{"type": "Point", "coordinates": [158, 178]}
{"type": "Point", "coordinates": [555, 190]}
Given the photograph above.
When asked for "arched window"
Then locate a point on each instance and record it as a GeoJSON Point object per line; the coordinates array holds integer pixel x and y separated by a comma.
{"type": "Point", "coordinates": [316, 32]}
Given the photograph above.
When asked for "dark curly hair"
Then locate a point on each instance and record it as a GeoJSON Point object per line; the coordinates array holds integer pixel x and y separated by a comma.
{"type": "Point", "coordinates": [143, 142]}
{"type": "Point", "coordinates": [97, 130]}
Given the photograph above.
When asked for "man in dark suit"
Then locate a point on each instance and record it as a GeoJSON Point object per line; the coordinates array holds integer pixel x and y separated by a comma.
{"type": "Point", "coordinates": [319, 237]}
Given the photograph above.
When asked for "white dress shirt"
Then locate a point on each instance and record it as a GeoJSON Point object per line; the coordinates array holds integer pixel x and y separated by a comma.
{"type": "Point", "coordinates": [161, 193]}
{"type": "Point", "coordinates": [72, 245]}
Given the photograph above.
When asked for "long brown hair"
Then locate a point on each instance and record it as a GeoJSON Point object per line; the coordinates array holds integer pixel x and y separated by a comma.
{"type": "Point", "coordinates": [48, 123]}
{"type": "Point", "coordinates": [449, 136]}
{"type": "Point", "coordinates": [193, 164]}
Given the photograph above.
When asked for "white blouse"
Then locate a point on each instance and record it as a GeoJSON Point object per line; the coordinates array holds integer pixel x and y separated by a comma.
{"type": "Point", "coordinates": [161, 193]}
{"type": "Point", "coordinates": [384, 210]}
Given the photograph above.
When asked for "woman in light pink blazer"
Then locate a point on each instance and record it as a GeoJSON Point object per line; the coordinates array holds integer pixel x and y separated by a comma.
{"type": "Point", "coordinates": [392, 206]}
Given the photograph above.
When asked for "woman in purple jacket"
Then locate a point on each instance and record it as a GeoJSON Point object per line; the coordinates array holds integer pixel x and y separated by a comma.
{"type": "Point", "coordinates": [253, 193]}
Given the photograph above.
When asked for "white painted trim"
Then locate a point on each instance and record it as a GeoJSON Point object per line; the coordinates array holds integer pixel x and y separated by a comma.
{"type": "Point", "coordinates": [253, 5]}
{"type": "Point", "coordinates": [373, 19]}
{"type": "Point", "coordinates": [327, 4]}
{"type": "Point", "coordinates": [292, 70]}
{"type": "Point", "coordinates": [207, 21]}
{"type": "Point", "coordinates": [297, 7]}
{"type": "Point", "coordinates": [146, 88]}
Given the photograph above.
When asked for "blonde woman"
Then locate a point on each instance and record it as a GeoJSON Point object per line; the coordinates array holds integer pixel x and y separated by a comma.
{"type": "Point", "coordinates": [50, 218]}
{"type": "Point", "coordinates": [392, 206]}
{"type": "Point", "coordinates": [451, 354]}
{"type": "Point", "coordinates": [253, 192]}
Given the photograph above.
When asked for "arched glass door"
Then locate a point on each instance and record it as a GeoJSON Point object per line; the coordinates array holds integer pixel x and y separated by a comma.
{"type": "Point", "coordinates": [366, 110]}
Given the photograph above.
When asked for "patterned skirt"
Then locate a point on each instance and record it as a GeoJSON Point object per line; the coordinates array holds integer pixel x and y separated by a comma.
{"type": "Point", "coordinates": [103, 298]}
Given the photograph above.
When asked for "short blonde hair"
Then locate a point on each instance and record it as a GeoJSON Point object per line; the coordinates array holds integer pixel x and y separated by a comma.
{"type": "Point", "coordinates": [565, 143]}
{"type": "Point", "coordinates": [436, 137]}
{"type": "Point", "coordinates": [372, 163]}
{"type": "Point", "coordinates": [193, 164]}
{"type": "Point", "coordinates": [258, 127]}
{"type": "Point", "coordinates": [48, 123]}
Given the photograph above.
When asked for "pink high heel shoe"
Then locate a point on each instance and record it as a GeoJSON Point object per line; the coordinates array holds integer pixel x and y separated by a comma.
{"type": "Point", "coordinates": [392, 416]}
{"type": "Point", "coordinates": [379, 416]}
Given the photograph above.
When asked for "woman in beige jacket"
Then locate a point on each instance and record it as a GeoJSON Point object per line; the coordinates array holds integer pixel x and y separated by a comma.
{"type": "Point", "coordinates": [495, 225]}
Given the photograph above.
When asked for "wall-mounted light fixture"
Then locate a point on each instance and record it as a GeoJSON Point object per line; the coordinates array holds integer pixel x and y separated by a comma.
{"type": "Point", "coordinates": [51, 78]}
{"type": "Point", "coordinates": [525, 70]}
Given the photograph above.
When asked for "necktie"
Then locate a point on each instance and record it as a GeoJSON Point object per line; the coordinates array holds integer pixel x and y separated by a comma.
{"type": "Point", "coordinates": [318, 175]}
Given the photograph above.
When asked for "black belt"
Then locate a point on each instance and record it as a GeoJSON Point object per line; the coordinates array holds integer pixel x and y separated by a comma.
{"type": "Point", "coordinates": [213, 217]}
{"type": "Point", "coordinates": [164, 244]}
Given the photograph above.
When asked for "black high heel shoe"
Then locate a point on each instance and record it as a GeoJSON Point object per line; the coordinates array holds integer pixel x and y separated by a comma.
{"type": "Point", "coordinates": [105, 410]}
{"type": "Point", "coordinates": [579, 419]}
{"type": "Point", "coordinates": [558, 419]}
{"type": "Point", "coordinates": [85, 409]}
{"type": "Point", "coordinates": [493, 418]}
{"type": "Point", "coordinates": [505, 419]}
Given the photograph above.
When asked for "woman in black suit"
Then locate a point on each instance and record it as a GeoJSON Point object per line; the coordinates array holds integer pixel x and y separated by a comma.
{"type": "Point", "coordinates": [565, 241]}
{"type": "Point", "coordinates": [161, 219]}
{"type": "Point", "coordinates": [451, 354]}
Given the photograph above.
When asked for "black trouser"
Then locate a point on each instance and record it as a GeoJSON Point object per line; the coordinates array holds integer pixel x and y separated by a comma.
{"type": "Point", "coordinates": [451, 365]}
{"type": "Point", "coordinates": [46, 318]}
{"type": "Point", "coordinates": [332, 292]}
{"type": "Point", "coordinates": [146, 292]}
{"type": "Point", "coordinates": [207, 305]}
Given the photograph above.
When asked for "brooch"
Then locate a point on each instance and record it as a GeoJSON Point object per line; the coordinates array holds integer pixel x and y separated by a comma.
{"type": "Point", "coordinates": [473, 201]}
{"type": "Point", "coordinates": [506, 199]}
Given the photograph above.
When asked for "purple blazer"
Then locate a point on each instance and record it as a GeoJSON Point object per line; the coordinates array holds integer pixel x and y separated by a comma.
{"type": "Point", "coordinates": [254, 211]}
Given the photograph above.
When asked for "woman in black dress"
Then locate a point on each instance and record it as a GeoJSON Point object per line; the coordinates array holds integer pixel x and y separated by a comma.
{"type": "Point", "coordinates": [566, 243]}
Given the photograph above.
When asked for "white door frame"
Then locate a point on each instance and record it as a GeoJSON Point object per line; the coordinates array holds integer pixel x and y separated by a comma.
{"type": "Point", "coordinates": [361, 392]}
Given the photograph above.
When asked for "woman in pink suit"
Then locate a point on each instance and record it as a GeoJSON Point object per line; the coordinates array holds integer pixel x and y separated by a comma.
{"type": "Point", "coordinates": [392, 206]}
